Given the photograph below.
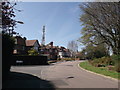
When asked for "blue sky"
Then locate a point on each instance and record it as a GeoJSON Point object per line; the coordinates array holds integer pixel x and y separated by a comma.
{"type": "Point", "coordinates": [61, 20]}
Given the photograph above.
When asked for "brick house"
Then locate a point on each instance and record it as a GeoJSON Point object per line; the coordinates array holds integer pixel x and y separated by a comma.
{"type": "Point", "coordinates": [49, 50]}
{"type": "Point", "coordinates": [53, 52]}
{"type": "Point", "coordinates": [20, 45]}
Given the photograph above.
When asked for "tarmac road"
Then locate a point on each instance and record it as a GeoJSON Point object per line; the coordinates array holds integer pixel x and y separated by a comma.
{"type": "Point", "coordinates": [67, 75]}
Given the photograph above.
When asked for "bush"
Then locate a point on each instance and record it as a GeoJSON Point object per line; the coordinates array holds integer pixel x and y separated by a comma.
{"type": "Point", "coordinates": [7, 52]}
{"type": "Point", "coordinates": [112, 62]}
{"type": "Point", "coordinates": [116, 60]}
{"type": "Point", "coordinates": [105, 60]}
{"type": "Point", "coordinates": [117, 67]}
{"type": "Point", "coordinates": [100, 62]}
{"type": "Point", "coordinates": [33, 52]}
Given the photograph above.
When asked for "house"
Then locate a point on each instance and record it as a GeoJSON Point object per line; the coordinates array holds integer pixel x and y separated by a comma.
{"type": "Point", "coordinates": [49, 50]}
{"type": "Point", "coordinates": [20, 45]}
{"type": "Point", "coordinates": [54, 52]}
{"type": "Point", "coordinates": [63, 52]}
{"type": "Point", "coordinates": [32, 44]}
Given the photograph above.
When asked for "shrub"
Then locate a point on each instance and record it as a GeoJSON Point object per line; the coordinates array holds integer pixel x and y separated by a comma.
{"type": "Point", "coordinates": [117, 67]}
{"type": "Point", "coordinates": [112, 62]}
{"type": "Point", "coordinates": [33, 52]}
{"type": "Point", "coordinates": [100, 62]}
{"type": "Point", "coordinates": [116, 60]}
{"type": "Point", "coordinates": [105, 60]}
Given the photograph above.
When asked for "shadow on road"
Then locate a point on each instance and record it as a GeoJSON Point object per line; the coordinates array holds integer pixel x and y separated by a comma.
{"type": "Point", "coordinates": [23, 80]}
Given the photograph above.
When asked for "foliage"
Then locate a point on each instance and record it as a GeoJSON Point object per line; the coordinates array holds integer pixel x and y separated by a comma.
{"type": "Point", "coordinates": [115, 57]}
{"type": "Point", "coordinates": [112, 62]}
{"type": "Point", "coordinates": [99, 62]}
{"type": "Point", "coordinates": [33, 52]}
{"type": "Point", "coordinates": [116, 60]}
{"type": "Point", "coordinates": [8, 23]}
{"type": "Point", "coordinates": [101, 24]}
{"type": "Point", "coordinates": [117, 67]}
{"type": "Point", "coordinates": [95, 51]}
{"type": "Point", "coordinates": [80, 55]}
{"type": "Point", "coordinates": [100, 70]}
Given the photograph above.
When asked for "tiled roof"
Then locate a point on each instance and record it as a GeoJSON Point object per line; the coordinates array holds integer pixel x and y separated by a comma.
{"type": "Point", "coordinates": [30, 42]}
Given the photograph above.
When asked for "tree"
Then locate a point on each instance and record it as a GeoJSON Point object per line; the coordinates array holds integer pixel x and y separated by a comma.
{"type": "Point", "coordinates": [81, 55]}
{"type": "Point", "coordinates": [95, 51]}
{"type": "Point", "coordinates": [101, 21]}
{"type": "Point", "coordinates": [73, 47]}
{"type": "Point", "coordinates": [8, 23]}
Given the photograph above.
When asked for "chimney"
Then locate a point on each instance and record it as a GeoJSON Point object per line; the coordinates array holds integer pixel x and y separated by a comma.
{"type": "Point", "coordinates": [25, 38]}
{"type": "Point", "coordinates": [51, 43]}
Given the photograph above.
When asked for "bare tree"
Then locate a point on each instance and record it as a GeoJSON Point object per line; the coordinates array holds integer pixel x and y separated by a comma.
{"type": "Point", "coordinates": [73, 47]}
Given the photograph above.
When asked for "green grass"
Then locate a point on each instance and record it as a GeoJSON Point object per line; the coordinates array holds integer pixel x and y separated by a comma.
{"type": "Point", "coordinates": [103, 70]}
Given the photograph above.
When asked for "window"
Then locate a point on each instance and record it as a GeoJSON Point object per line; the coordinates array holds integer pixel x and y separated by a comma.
{"type": "Point", "coordinates": [15, 41]}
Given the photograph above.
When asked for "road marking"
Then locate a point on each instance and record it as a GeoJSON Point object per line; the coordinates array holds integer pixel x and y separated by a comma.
{"type": "Point", "coordinates": [97, 73]}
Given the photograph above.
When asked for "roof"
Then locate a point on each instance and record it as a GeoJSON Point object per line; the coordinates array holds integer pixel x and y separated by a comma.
{"type": "Point", "coordinates": [31, 42]}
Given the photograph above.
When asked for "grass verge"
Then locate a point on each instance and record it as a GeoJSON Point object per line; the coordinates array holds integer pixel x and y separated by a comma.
{"type": "Point", "coordinates": [102, 70]}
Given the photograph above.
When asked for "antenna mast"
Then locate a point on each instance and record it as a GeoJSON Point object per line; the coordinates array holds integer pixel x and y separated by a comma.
{"type": "Point", "coordinates": [43, 36]}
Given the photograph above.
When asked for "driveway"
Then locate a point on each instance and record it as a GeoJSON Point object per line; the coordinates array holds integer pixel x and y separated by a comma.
{"type": "Point", "coordinates": [67, 75]}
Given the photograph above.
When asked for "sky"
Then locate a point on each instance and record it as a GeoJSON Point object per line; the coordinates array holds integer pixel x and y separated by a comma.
{"type": "Point", "coordinates": [61, 20]}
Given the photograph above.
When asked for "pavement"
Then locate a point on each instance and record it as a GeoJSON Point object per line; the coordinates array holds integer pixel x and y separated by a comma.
{"type": "Point", "coordinates": [57, 75]}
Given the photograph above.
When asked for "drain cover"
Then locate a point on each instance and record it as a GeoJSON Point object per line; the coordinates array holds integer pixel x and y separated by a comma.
{"type": "Point", "coordinates": [70, 77]}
